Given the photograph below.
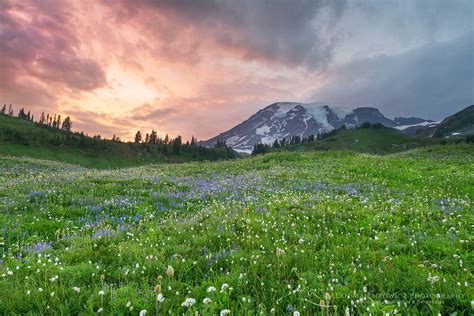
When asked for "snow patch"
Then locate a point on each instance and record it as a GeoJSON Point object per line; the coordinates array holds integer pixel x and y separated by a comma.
{"type": "Point", "coordinates": [425, 123]}
{"type": "Point", "coordinates": [262, 130]}
{"type": "Point", "coordinates": [283, 109]}
{"type": "Point", "coordinates": [232, 140]}
{"type": "Point", "coordinates": [341, 112]}
{"type": "Point", "coordinates": [268, 140]}
{"type": "Point", "coordinates": [319, 114]}
{"type": "Point", "coordinates": [243, 151]}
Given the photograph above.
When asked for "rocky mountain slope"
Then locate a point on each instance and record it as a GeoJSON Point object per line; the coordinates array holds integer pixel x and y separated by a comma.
{"type": "Point", "coordinates": [287, 119]}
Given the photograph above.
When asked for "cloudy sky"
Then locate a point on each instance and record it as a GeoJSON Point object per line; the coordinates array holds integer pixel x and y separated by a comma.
{"type": "Point", "coordinates": [198, 67]}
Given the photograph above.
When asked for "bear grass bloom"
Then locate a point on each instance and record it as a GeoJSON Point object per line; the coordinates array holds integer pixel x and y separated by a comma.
{"type": "Point", "coordinates": [170, 271]}
{"type": "Point", "coordinates": [211, 289]}
{"type": "Point", "coordinates": [189, 302]}
{"type": "Point", "coordinates": [160, 298]}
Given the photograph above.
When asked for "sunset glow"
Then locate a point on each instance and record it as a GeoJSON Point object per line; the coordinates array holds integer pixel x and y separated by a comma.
{"type": "Point", "coordinates": [199, 67]}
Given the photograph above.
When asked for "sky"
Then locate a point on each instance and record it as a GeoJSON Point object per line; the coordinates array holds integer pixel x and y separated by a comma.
{"type": "Point", "coordinates": [199, 67]}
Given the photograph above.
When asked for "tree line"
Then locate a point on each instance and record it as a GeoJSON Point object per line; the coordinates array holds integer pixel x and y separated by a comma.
{"type": "Point", "coordinates": [261, 148]}
{"type": "Point", "coordinates": [148, 144]}
{"type": "Point", "coordinates": [48, 120]}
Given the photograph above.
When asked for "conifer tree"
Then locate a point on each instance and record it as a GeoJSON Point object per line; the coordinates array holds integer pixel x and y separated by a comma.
{"type": "Point", "coordinates": [67, 124]}
{"type": "Point", "coordinates": [138, 137]}
{"type": "Point", "coordinates": [153, 137]}
{"type": "Point", "coordinates": [276, 144]}
{"type": "Point", "coordinates": [177, 142]}
{"type": "Point", "coordinates": [4, 109]}
{"type": "Point", "coordinates": [42, 118]}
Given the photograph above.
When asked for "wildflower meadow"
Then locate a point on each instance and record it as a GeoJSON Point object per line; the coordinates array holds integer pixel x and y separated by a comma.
{"type": "Point", "coordinates": [330, 233]}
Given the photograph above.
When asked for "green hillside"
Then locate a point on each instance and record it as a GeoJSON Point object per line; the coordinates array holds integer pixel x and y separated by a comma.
{"type": "Point", "coordinates": [20, 137]}
{"type": "Point", "coordinates": [461, 123]}
{"type": "Point", "coordinates": [458, 125]}
{"type": "Point", "coordinates": [366, 140]}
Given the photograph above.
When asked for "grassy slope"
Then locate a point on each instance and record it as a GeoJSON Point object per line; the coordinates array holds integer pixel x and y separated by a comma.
{"type": "Point", "coordinates": [461, 122]}
{"type": "Point", "coordinates": [367, 140]}
{"type": "Point", "coordinates": [355, 226]}
{"type": "Point", "coordinates": [111, 154]}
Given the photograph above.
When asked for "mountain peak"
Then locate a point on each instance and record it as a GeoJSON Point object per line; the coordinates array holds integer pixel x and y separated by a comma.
{"type": "Point", "coordinates": [286, 119]}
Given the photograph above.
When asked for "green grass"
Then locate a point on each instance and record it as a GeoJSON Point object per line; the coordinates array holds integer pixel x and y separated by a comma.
{"type": "Point", "coordinates": [366, 140]}
{"type": "Point", "coordinates": [24, 138]}
{"type": "Point", "coordinates": [314, 232]}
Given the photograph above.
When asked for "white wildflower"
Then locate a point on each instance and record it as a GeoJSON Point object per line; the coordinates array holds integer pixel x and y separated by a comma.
{"type": "Point", "coordinates": [189, 302]}
{"type": "Point", "coordinates": [224, 287]}
{"type": "Point", "coordinates": [211, 289]}
{"type": "Point", "coordinates": [160, 298]}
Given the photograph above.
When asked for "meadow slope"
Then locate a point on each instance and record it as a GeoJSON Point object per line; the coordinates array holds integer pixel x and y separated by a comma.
{"type": "Point", "coordinates": [316, 232]}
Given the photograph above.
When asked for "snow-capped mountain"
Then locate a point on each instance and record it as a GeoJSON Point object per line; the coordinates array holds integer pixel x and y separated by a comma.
{"type": "Point", "coordinates": [287, 119]}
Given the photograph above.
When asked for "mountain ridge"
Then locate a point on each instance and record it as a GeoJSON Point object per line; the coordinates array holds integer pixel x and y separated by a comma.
{"type": "Point", "coordinates": [460, 123]}
{"type": "Point", "coordinates": [286, 119]}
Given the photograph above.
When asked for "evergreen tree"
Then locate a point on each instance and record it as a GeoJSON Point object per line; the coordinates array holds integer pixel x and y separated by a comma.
{"type": "Point", "coordinates": [166, 140]}
{"type": "Point", "coordinates": [4, 109]}
{"type": "Point", "coordinates": [220, 144]}
{"type": "Point", "coordinates": [177, 145]}
{"type": "Point", "coordinates": [138, 137]}
{"type": "Point", "coordinates": [276, 144]}
{"type": "Point", "coordinates": [193, 141]}
{"type": "Point", "coordinates": [23, 115]}
{"type": "Point", "coordinates": [42, 118]}
{"type": "Point", "coordinates": [10, 110]}
{"type": "Point", "coordinates": [147, 138]}
{"type": "Point", "coordinates": [67, 124]}
{"type": "Point", "coordinates": [58, 122]}
{"type": "Point", "coordinates": [260, 149]}
{"type": "Point", "coordinates": [153, 137]}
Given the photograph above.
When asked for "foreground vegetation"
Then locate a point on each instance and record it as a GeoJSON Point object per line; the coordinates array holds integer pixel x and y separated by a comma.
{"type": "Point", "coordinates": [316, 232]}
